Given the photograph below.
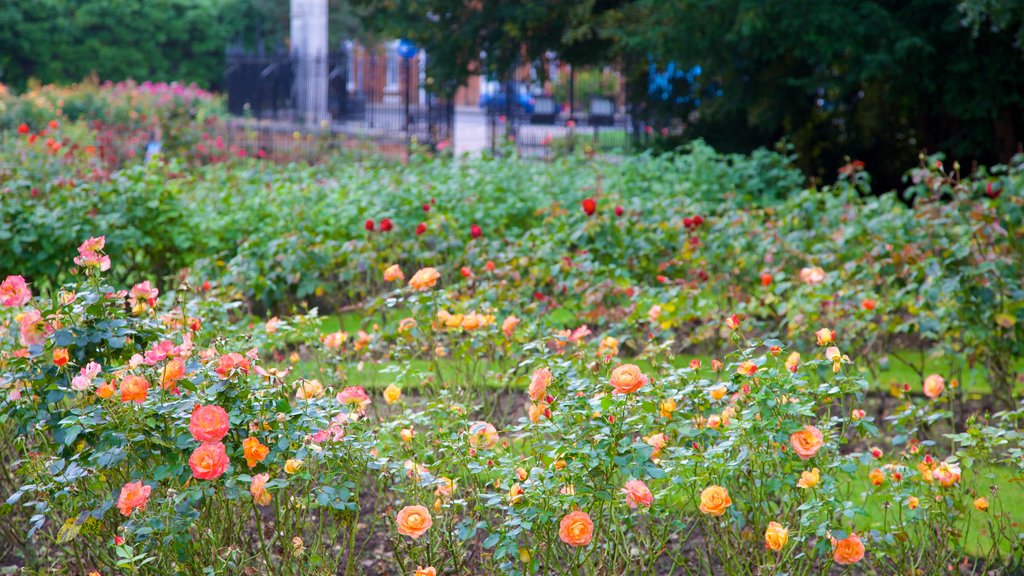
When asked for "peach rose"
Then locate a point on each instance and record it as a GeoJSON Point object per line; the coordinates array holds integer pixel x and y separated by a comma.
{"type": "Point", "coordinates": [981, 504]}
{"type": "Point", "coordinates": [825, 336]}
{"type": "Point", "coordinates": [609, 346]}
{"type": "Point", "coordinates": [309, 389]}
{"type": "Point", "coordinates": [424, 279]}
{"type": "Point", "coordinates": [134, 496]}
{"type": "Point", "coordinates": [254, 451]}
{"type": "Point", "coordinates": [393, 273]}
{"type": "Point", "coordinates": [406, 324]}
{"type": "Point", "coordinates": [947, 474]}
{"type": "Point", "coordinates": [209, 461]}
{"type": "Point", "coordinates": [809, 479]}
{"type": "Point", "coordinates": [209, 423]}
{"type": "Point", "coordinates": [913, 502]}
{"type": "Point", "coordinates": [508, 325]}
{"type": "Point", "coordinates": [812, 276]}
{"type": "Point", "coordinates": [806, 442]}
{"type": "Point", "coordinates": [258, 489]}
{"type": "Point", "coordinates": [933, 386]}
{"type": "Point", "coordinates": [428, 571]}
{"type": "Point", "coordinates": [849, 550]}
{"type": "Point", "coordinates": [134, 389]}
{"type": "Point", "coordinates": [775, 537]}
{"type": "Point", "coordinates": [637, 494]}
{"type": "Point", "coordinates": [876, 476]}
{"type": "Point", "coordinates": [714, 500]}
{"type": "Point", "coordinates": [576, 529]}
{"type": "Point", "coordinates": [667, 407]}
{"type": "Point", "coordinates": [483, 435]}
{"type": "Point", "coordinates": [539, 384]}
{"type": "Point", "coordinates": [627, 378]}
{"type": "Point", "coordinates": [414, 521]}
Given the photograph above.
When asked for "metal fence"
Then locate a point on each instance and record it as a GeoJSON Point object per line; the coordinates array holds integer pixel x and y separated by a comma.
{"type": "Point", "coordinates": [374, 97]}
{"type": "Point", "coordinates": [545, 108]}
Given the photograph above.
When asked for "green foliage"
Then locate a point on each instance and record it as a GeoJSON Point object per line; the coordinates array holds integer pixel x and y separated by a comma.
{"type": "Point", "coordinates": [159, 40]}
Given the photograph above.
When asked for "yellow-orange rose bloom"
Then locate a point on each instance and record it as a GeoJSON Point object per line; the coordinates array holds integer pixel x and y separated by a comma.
{"type": "Point", "coordinates": [849, 550]}
{"type": "Point", "coordinates": [576, 529]}
{"type": "Point", "coordinates": [428, 571]}
{"type": "Point", "coordinates": [808, 478]}
{"type": "Point", "coordinates": [424, 279]}
{"type": "Point", "coordinates": [775, 537]}
{"type": "Point", "coordinates": [806, 442]}
{"type": "Point", "coordinates": [392, 393]}
{"type": "Point", "coordinates": [539, 382]}
{"type": "Point", "coordinates": [293, 465]}
{"type": "Point", "coordinates": [981, 504]}
{"type": "Point", "coordinates": [627, 379]}
{"type": "Point", "coordinates": [414, 521]}
{"type": "Point", "coordinates": [714, 500]}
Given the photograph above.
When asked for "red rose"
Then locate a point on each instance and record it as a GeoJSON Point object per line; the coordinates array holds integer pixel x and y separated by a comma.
{"type": "Point", "coordinates": [369, 225]}
{"type": "Point", "coordinates": [992, 190]}
{"type": "Point", "coordinates": [23, 129]}
{"type": "Point", "coordinates": [385, 225]}
{"type": "Point", "coordinates": [619, 210]}
{"type": "Point", "coordinates": [589, 206]}
{"type": "Point", "coordinates": [426, 207]}
{"type": "Point", "coordinates": [475, 231]}
{"type": "Point", "coordinates": [421, 229]}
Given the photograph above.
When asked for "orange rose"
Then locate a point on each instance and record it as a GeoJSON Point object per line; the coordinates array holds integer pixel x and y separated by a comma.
{"type": "Point", "coordinates": [825, 336]}
{"type": "Point", "coordinates": [424, 279]}
{"type": "Point", "coordinates": [877, 477]}
{"type": "Point", "coordinates": [414, 521]}
{"type": "Point", "coordinates": [627, 379]}
{"type": "Point", "coordinates": [209, 461]}
{"type": "Point", "coordinates": [718, 392]}
{"type": "Point", "coordinates": [637, 494]}
{"type": "Point", "coordinates": [746, 368]}
{"type": "Point", "coordinates": [806, 442]}
{"type": "Point", "coordinates": [576, 529]}
{"type": "Point", "coordinates": [209, 423]}
{"type": "Point", "coordinates": [172, 372]}
{"type": "Point", "coordinates": [539, 384]}
{"type": "Point", "coordinates": [393, 273]}
{"type": "Point", "coordinates": [793, 362]}
{"type": "Point", "coordinates": [258, 489]}
{"type": "Point", "coordinates": [105, 390]}
{"type": "Point", "coordinates": [775, 537]}
{"type": "Point", "coordinates": [428, 571]}
{"type": "Point", "coordinates": [714, 500]}
{"type": "Point", "coordinates": [515, 494]}
{"type": "Point", "coordinates": [134, 496]}
{"type": "Point", "coordinates": [981, 504]}
{"type": "Point", "coordinates": [254, 451]}
{"type": "Point", "coordinates": [849, 550]}
{"type": "Point", "coordinates": [933, 386]}
{"type": "Point", "coordinates": [913, 502]}
{"type": "Point", "coordinates": [134, 389]}
{"type": "Point", "coordinates": [60, 357]}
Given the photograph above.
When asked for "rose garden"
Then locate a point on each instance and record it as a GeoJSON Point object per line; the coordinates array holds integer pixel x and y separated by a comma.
{"type": "Point", "coordinates": [221, 361]}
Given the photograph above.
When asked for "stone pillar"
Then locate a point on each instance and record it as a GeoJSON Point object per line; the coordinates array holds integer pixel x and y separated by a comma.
{"type": "Point", "coordinates": [309, 48]}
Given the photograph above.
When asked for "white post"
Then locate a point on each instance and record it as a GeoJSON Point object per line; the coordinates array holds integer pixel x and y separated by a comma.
{"type": "Point", "coordinates": [309, 47]}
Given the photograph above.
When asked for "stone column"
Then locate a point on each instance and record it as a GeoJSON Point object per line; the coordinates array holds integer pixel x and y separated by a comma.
{"type": "Point", "coordinates": [309, 48]}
